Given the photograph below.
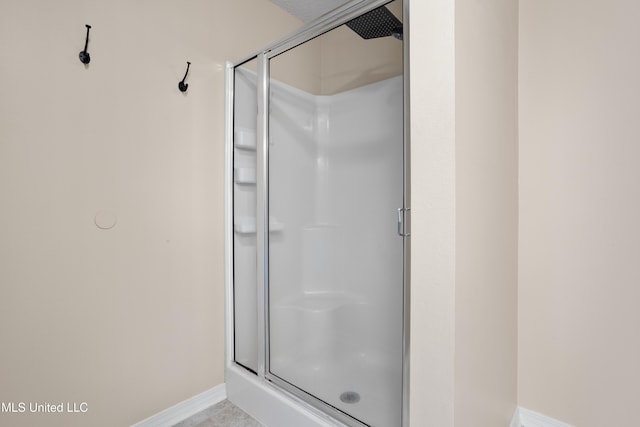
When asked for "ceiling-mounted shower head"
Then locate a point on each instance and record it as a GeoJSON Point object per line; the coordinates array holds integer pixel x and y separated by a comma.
{"type": "Point", "coordinates": [379, 22]}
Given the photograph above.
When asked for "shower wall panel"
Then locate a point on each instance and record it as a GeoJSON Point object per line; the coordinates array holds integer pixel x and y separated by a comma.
{"type": "Point", "coordinates": [335, 287]}
{"type": "Point", "coordinates": [244, 218]}
{"type": "Point", "coordinates": [335, 280]}
{"type": "Point", "coordinates": [364, 150]}
{"type": "Point", "coordinates": [292, 197]}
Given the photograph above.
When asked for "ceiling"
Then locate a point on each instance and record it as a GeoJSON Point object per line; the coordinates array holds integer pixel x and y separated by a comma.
{"type": "Point", "coordinates": [308, 10]}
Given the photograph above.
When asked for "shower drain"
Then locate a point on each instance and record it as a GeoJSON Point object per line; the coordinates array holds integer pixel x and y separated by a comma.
{"type": "Point", "coordinates": [350, 397]}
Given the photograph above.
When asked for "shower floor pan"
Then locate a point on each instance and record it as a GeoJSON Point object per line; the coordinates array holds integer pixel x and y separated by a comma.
{"type": "Point", "coordinates": [319, 347]}
{"type": "Point", "coordinates": [358, 384]}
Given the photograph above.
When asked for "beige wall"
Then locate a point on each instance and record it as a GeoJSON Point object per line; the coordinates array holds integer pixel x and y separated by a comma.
{"type": "Point", "coordinates": [349, 61]}
{"type": "Point", "coordinates": [486, 212]}
{"type": "Point", "coordinates": [130, 319]}
{"type": "Point", "coordinates": [300, 67]}
{"type": "Point", "coordinates": [433, 207]}
{"type": "Point", "coordinates": [464, 212]}
{"type": "Point", "coordinates": [117, 317]}
{"type": "Point", "coordinates": [340, 60]}
{"type": "Point", "coordinates": [579, 209]}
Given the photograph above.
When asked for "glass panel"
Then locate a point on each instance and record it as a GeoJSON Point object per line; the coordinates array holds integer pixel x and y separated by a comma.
{"type": "Point", "coordinates": [244, 216]}
{"type": "Point", "coordinates": [335, 187]}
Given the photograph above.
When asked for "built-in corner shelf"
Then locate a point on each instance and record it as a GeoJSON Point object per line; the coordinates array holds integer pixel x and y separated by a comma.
{"type": "Point", "coordinates": [244, 175]}
{"type": "Point", "coordinates": [247, 225]}
{"type": "Point", "coordinates": [244, 139]}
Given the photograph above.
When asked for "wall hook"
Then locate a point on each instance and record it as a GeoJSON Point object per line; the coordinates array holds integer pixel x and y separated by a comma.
{"type": "Point", "coordinates": [85, 58]}
{"type": "Point", "coordinates": [182, 85]}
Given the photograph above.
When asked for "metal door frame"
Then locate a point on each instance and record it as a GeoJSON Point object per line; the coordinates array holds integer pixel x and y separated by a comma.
{"type": "Point", "coordinates": [318, 27]}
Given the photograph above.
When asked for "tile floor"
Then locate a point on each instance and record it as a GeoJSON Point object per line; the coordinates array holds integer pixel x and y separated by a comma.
{"type": "Point", "coordinates": [223, 414]}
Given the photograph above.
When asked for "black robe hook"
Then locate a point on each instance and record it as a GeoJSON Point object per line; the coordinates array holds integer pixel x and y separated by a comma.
{"type": "Point", "coordinates": [182, 85]}
{"type": "Point", "coordinates": [84, 55]}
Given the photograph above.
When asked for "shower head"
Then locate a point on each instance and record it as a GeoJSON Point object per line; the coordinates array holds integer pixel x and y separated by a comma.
{"type": "Point", "coordinates": [379, 22]}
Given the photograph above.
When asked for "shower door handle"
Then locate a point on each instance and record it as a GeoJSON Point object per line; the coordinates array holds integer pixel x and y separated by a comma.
{"type": "Point", "coordinates": [401, 212]}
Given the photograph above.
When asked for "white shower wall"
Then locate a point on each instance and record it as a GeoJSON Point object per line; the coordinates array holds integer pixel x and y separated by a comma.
{"type": "Point", "coordinates": [327, 154]}
{"type": "Point", "coordinates": [336, 269]}
{"type": "Point", "coordinates": [335, 174]}
{"type": "Point", "coordinates": [244, 218]}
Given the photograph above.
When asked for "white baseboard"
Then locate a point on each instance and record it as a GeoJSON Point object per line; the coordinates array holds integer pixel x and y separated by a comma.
{"type": "Point", "coordinates": [527, 418]}
{"type": "Point", "coordinates": [515, 420]}
{"type": "Point", "coordinates": [183, 410]}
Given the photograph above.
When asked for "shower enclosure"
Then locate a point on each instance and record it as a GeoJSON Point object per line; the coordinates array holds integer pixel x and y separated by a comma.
{"type": "Point", "coordinates": [318, 223]}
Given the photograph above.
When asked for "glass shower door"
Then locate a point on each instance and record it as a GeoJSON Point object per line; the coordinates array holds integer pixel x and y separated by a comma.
{"type": "Point", "coordinates": [245, 218]}
{"type": "Point", "coordinates": [335, 244]}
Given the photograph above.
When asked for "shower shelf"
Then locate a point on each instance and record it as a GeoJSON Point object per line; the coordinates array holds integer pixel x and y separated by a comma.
{"type": "Point", "coordinates": [244, 175]}
{"type": "Point", "coordinates": [247, 225]}
{"type": "Point", "coordinates": [245, 139]}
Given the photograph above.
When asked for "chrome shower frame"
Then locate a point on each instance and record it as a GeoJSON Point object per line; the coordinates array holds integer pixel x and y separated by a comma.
{"type": "Point", "coordinates": [256, 394]}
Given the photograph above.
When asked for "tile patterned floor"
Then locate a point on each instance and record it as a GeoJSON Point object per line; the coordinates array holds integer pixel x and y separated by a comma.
{"type": "Point", "coordinates": [223, 414]}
